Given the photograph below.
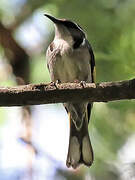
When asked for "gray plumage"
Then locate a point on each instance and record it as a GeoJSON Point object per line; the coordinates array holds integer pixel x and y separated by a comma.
{"type": "Point", "coordinates": [70, 58]}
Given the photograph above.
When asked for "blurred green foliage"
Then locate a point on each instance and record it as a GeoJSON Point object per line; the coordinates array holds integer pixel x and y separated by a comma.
{"type": "Point", "coordinates": [110, 28]}
{"type": "Point", "coordinates": [38, 64]}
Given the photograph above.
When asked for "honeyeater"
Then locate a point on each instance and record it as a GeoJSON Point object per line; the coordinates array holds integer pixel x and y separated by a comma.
{"type": "Point", "coordinates": [70, 58]}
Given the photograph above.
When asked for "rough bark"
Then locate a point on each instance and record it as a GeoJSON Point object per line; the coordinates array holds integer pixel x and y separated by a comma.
{"type": "Point", "coordinates": [35, 94]}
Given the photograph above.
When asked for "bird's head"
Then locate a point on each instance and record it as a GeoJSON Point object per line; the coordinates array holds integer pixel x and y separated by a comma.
{"type": "Point", "coordinates": [68, 30]}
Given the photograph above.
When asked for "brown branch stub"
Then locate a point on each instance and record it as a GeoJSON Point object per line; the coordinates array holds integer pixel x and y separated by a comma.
{"type": "Point", "coordinates": [35, 94]}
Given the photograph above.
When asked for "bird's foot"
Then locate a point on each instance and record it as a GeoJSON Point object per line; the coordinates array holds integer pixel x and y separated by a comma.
{"type": "Point", "coordinates": [55, 83]}
{"type": "Point", "coordinates": [83, 84]}
{"type": "Point", "coordinates": [58, 81]}
{"type": "Point", "coordinates": [52, 83]}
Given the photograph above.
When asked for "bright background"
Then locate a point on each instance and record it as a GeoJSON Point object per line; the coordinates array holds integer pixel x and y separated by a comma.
{"type": "Point", "coordinates": [34, 146]}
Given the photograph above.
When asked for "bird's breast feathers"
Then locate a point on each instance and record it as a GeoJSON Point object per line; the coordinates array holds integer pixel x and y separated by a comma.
{"type": "Point", "coordinates": [67, 64]}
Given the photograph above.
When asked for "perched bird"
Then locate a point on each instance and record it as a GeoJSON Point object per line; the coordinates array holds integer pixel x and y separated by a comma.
{"type": "Point", "coordinates": [70, 58]}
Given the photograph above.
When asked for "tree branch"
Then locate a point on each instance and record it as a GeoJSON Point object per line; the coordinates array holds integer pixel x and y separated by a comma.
{"type": "Point", "coordinates": [16, 55]}
{"type": "Point", "coordinates": [34, 94]}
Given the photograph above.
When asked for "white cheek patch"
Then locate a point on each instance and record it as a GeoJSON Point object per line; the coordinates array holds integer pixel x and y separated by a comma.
{"type": "Point", "coordinates": [83, 43]}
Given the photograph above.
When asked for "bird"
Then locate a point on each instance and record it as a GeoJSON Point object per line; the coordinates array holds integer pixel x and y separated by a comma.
{"type": "Point", "coordinates": [70, 58]}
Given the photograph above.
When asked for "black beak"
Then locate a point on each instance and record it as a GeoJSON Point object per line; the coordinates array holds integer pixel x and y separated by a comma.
{"type": "Point", "coordinates": [55, 20]}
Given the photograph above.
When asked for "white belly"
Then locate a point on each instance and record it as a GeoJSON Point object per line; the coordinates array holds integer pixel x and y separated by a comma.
{"type": "Point", "coordinates": [70, 65]}
{"type": "Point", "coordinates": [67, 70]}
{"type": "Point", "coordinates": [72, 68]}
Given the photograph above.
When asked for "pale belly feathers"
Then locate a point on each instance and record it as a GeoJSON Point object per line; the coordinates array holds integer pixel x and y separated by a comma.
{"type": "Point", "coordinates": [70, 66]}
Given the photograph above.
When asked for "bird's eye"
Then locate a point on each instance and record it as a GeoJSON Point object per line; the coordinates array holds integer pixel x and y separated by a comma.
{"type": "Point", "coordinates": [77, 42]}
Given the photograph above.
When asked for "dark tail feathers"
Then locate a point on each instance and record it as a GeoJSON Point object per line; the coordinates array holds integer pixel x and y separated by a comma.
{"type": "Point", "coordinates": [80, 149]}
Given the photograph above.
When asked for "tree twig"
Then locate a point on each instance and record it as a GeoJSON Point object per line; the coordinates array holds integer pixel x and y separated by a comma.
{"type": "Point", "coordinates": [35, 94]}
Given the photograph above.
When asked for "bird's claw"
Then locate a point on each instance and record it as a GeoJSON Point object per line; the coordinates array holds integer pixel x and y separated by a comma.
{"type": "Point", "coordinates": [56, 83]}
{"type": "Point", "coordinates": [83, 84]}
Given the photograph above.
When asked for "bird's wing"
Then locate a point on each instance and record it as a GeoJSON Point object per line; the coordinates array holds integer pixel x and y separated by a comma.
{"type": "Point", "coordinates": [51, 55]}
{"type": "Point", "coordinates": [93, 74]}
{"type": "Point", "coordinates": [92, 62]}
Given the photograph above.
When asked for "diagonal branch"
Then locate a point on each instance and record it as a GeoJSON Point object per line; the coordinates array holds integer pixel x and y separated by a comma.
{"type": "Point", "coordinates": [34, 94]}
{"type": "Point", "coordinates": [16, 55]}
